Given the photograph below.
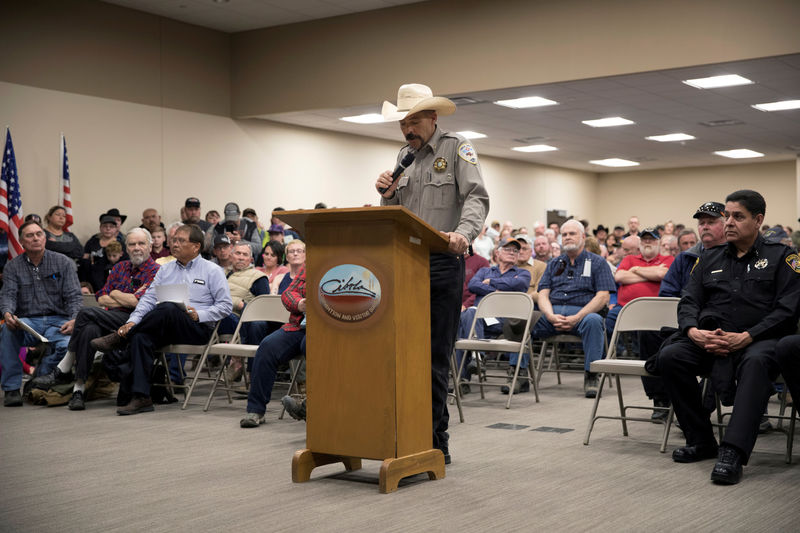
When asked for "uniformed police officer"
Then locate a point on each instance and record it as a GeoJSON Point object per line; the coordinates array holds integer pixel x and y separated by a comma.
{"type": "Point", "coordinates": [444, 187]}
{"type": "Point", "coordinates": [741, 298]}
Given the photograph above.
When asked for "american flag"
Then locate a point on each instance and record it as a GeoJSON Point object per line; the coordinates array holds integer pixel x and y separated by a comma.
{"type": "Point", "coordinates": [10, 199]}
{"type": "Point", "coordinates": [64, 194]}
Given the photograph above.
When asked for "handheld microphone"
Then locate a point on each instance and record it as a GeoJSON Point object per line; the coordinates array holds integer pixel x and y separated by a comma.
{"type": "Point", "coordinates": [404, 164]}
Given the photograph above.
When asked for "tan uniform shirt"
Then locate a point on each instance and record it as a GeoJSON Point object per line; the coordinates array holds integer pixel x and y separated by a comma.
{"type": "Point", "coordinates": [444, 185]}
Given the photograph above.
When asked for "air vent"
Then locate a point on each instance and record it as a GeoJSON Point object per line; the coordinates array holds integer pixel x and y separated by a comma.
{"type": "Point", "coordinates": [465, 100]}
{"type": "Point", "coordinates": [794, 148]}
{"type": "Point", "coordinates": [722, 122]}
{"type": "Point", "coordinates": [533, 140]}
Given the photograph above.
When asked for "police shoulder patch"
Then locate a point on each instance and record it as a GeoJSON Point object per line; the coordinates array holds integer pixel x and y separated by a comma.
{"type": "Point", "coordinates": [467, 153]}
{"type": "Point", "coordinates": [793, 260]}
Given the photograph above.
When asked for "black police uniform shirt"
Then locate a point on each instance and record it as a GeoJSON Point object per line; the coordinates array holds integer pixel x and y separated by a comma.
{"type": "Point", "coordinates": [757, 292]}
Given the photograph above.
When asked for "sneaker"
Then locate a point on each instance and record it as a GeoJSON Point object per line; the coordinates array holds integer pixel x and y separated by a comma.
{"type": "Point", "coordinates": [76, 403]}
{"type": "Point", "coordinates": [251, 420]}
{"type": "Point", "coordinates": [659, 416]}
{"type": "Point", "coordinates": [294, 407]}
{"type": "Point", "coordinates": [12, 399]}
{"type": "Point", "coordinates": [54, 377]}
{"type": "Point", "coordinates": [590, 384]}
{"type": "Point", "coordinates": [765, 426]}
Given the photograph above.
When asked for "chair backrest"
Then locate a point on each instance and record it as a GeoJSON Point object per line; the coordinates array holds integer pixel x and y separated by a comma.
{"type": "Point", "coordinates": [505, 305]}
{"type": "Point", "coordinates": [648, 313]}
{"type": "Point", "coordinates": [265, 308]}
{"type": "Point", "coordinates": [89, 300]}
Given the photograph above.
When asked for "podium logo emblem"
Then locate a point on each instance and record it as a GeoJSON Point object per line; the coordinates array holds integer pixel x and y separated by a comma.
{"type": "Point", "coordinates": [349, 293]}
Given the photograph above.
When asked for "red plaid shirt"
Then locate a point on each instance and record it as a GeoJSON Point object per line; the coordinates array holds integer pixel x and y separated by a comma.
{"type": "Point", "coordinates": [126, 278]}
{"type": "Point", "coordinates": [295, 292]}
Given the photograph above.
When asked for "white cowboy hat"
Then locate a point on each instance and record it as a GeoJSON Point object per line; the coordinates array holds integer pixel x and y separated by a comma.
{"type": "Point", "coordinates": [415, 97]}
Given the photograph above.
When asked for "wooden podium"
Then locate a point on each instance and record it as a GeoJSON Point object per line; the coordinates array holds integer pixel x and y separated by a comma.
{"type": "Point", "coordinates": [368, 373]}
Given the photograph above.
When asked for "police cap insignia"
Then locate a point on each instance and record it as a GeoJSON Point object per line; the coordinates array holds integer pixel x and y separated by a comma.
{"type": "Point", "coordinates": [467, 153]}
{"type": "Point", "coordinates": [793, 260]}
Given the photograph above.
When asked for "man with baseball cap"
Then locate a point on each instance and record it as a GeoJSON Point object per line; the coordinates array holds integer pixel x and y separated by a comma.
{"type": "Point", "coordinates": [191, 214]}
{"type": "Point", "coordinates": [443, 186]}
{"type": "Point", "coordinates": [236, 229]}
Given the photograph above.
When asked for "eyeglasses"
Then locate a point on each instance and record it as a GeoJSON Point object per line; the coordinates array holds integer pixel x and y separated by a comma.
{"type": "Point", "coordinates": [510, 250]}
{"type": "Point", "coordinates": [296, 251]}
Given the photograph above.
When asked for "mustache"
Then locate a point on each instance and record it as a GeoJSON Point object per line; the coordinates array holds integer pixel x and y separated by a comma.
{"type": "Point", "coordinates": [411, 137]}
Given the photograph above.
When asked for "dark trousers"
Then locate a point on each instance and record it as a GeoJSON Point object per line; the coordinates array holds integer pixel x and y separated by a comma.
{"type": "Point", "coordinates": [447, 284]}
{"type": "Point", "coordinates": [166, 324]}
{"type": "Point", "coordinates": [756, 368]}
{"type": "Point", "coordinates": [279, 347]}
{"type": "Point", "coordinates": [788, 353]}
{"type": "Point", "coordinates": [649, 344]}
{"type": "Point", "coordinates": [92, 322]}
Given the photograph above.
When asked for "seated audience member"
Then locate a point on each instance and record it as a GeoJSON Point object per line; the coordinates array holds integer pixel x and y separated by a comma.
{"type": "Point", "coordinates": [151, 220]}
{"type": "Point", "coordinates": [212, 217]}
{"type": "Point", "coordinates": [729, 329]}
{"type": "Point", "coordinates": [711, 226]}
{"type": "Point", "coordinates": [538, 229]}
{"type": "Point", "coordinates": [288, 233]}
{"type": "Point", "coordinates": [118, 218]}
{"type": "Point", "coordinates": [127, 283]}
{"type": "Point", "coordinates": [272, 258]}
{"type": "Point", "coordinates": [574, 290]}
{"type": "Point", "coordinates": [245, 283]}
{"type": "Point", "coordinates": [534, 267]}
{"type": "Point", "coordinates": [41, 290]}
{"type": "Point", "coordinates": [630, 245]}
{"type": "Point", "coordinates": [541, 249]}
{"type": "Point", "coordinates": [191, 214]}
{"type": "Point", "coordinates": [555, 249]}
{"type": "Point", "coordinates": [171, 229]}
{"type": "Point", "coordinates": [94, 250]}
{"type": "Point", "coordinates": [494, 231]}
{"type": "Point", "coordinates": [159, 249]}
{"type": "Point", "coordinates": [601, 234]}
{"type": "Point", "coordinates": [619, 233]}
{"type": "Point", "coordinates": [101, 267]}
{"type": "Point", "coordinates": [633, 226]}
{"type": "Point", "coordinates": [59, 239]}
{"type": "Point", "coordinates": [153, 324]}
{"type": "Point", "coordinates": [296, 256]}
{"type": "Point", "coordinates": [686, 239]}
{"type": "Point", "coordinates": [669, 245]}
{"type": "Point", "coordinates": [778, 234]}
{"type": "Point", "coordinates": [639, 274]}
{"type": "Point", "coordinates": [669, 228]}
{"type": "Point", "coordinates": [236, 229]}
{"type": "Point", "coordinates": [250, 214]}
{"type": "Point", "coordinates": [275, 233]}
{"type": "Point", "coordinates": [551, 235]}
{"type": "Point", "coordinates": [504, 277]}
{"type": "Point", "coordinates": [222, 252]}
{"type": "Point", "coordinates": [483, 244]}
{"type": "Point", "coordinates": [280, 347]}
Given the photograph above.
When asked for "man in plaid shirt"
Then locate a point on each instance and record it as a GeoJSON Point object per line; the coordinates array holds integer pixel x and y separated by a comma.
{"type": "Point", "coordinates": [279, 347]}
{"type": "Point", "coordinates": [126, 283]}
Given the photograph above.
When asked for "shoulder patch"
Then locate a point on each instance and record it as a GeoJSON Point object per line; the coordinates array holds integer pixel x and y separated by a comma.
{"type": "Point", "coordinates": [793, 260]}
{"type": "Point", "coordinates": [467, 153]}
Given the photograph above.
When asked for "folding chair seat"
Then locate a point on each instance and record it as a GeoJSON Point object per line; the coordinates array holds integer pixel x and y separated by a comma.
{"type": "Point", "coordinates": [516, 305]}
{"type": "Point", "coordinates": [188, 349]}
{"type": "Point", "coordinates": [264, 308]}
{"type": "Point", "coordinates": [641, 314]}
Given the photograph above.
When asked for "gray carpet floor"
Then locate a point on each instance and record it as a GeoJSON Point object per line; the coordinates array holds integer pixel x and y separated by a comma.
{"type": "Point", "coordinates": [175, 470]}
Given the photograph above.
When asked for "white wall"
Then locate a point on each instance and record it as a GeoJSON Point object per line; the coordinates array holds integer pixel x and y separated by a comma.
{"type": "Point", "coordinates": [133, 156]}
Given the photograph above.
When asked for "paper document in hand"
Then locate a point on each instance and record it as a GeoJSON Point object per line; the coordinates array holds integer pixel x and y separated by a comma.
{"type": "Point", "coordinates": [35, 334]}
{"type": "Point", "coordinates": [177, 293]}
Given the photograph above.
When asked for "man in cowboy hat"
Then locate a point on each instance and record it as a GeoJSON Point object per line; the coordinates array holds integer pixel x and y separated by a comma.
{"type": "Point", "coordinates": [444, 187]}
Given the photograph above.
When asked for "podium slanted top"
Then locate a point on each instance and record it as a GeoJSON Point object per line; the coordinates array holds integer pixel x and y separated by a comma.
{"type": "Point", "coordinates": [433, 239]}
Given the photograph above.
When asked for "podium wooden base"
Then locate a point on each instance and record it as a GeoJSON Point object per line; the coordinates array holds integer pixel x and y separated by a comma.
{"type": "Point", "coordinates": [392, 470]}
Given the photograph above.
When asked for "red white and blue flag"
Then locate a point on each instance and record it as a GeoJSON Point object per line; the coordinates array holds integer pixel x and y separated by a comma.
{"type": "Point", "coordinates": [10, 199]}
{"type": "Point", "coordinates": [64, 194]}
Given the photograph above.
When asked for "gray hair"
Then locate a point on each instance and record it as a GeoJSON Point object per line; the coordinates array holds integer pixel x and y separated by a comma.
{"type": "Point", "coordinates": [143, 231]}
{"type": "Point", "coordinates": [575, 223]}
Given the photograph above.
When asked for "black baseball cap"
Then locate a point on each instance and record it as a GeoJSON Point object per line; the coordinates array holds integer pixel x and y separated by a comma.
{"type": "Point", "coordinates": [712, 209]}
{"type": "Point", "coordinates": [192, 202]}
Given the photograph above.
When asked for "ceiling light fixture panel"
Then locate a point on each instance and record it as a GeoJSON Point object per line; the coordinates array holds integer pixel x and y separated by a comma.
{"type": "Point", "coordinates": [715, 82]}
{"type": "Point", "coordinates": [739, 153]}
{"type": "Point", "coordinates": [614, 162]}
{"type": "Point", "coordinates": [671, 137]}
{"type": "Point", "coordinates": [783, 105]}
{"type": "Point", "coordinates": [535, 148]}
{"type": "Point", "coordinates": [469, 134]}
{"type": "Point", "coordinates": [525, 102]}
{"type": "Point", "coordinates": [369, 118]}
{"type": "Point", "coordinates": [608, 122]}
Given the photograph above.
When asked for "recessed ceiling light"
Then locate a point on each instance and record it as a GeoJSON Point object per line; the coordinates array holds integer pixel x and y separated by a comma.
{"type": "Point", "coordinates": [739, 153]}
{"type": "Point", "coordinates": [535, 148]}
{"type": "Point", "coordinates": [608, 122]}
{"type": "Point", "coordinates": [779, 106]}
{"type": "Point", "coordinates": [469, 134]}
{"type": "Point", "coordinates": [369, 118]}
{"type": "Point", "coordinates": [614, 162]}
{"type": "Point", "coordinates": [728, 80]}
{"type": "Point", "coordinates": [528, 101]}
{"type": "Point", "coordinates": [670, 137]}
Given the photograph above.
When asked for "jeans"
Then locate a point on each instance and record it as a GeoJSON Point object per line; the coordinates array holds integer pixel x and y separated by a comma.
{"type": "Point", "coordinates": [590, 329]}
{"type": "Point", "coordinates": [279, 347]}
{"type": "Point", "coordinates": [11, 340]}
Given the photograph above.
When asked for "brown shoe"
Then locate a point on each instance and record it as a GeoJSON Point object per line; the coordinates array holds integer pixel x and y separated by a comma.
{"type": "Point", "coordinates": [107, 342]}
{"type": "Point", "coordinates": [137, 405]}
